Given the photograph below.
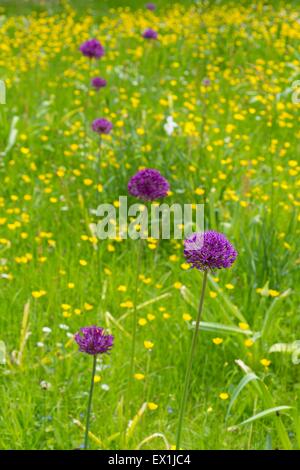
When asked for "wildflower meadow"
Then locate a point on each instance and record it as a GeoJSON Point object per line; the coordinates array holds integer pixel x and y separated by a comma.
{"type": "Point", "coordinates": [126, 322]}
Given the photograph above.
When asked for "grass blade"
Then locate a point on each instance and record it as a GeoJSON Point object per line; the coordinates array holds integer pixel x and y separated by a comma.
{"type": "Point", "coordinates": [134, 422]}
{"type": "Point", "coordinates": [2, 353]}
{"type": "Point", "coordinates": [154, 436]}
{"type": "Point", "coordinates": [242, 384]}
{"type": "Point", "coordinates": [220, 328]}
{"type": "Point", "coordinates": [270, 314]}
{"type": "Point", "coordinates": [267, 398]}
{"type": "Point", "coordinates": [260, 415]}
{"type": "Point", "coordinates": [225, 302]}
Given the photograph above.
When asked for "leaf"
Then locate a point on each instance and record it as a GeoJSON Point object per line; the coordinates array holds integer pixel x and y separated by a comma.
{"type": "Point", "coordinates": [242, 384]}
{"type": "Point", "coordinates": [267, 398]}
{"type": "Point", "coordinates": [291, 348]}
{"type": "Point", "coordinates": [24, 332]}
{"type": "Point", "coordinates": [2, 92]}
{"type": "Point", "coordinates": [188, 297]}
{"type": "Point", "coordinates": [270, 314]}
{"type": "Point", "coordinates": [134, 422]}
{"type": "Point", "coordinates": [260, 415]}
{"type": "Point", "coordinates": [155, 435]}
{"type": "Point", "coordinates": [109, 318]}
{"type": "Point", "coordinates": [152, 301]}
{"type": "Point", "coordinates": [220, 328]}
{"type": "Point", "coordinates": [113, 437]}
{"type": "Point", "coordinates": [225, 303]}
{"type": "Point", "coordinates": [92, 436]}
{"type": "Point", "coordinates": [12, 137]}
{"type": "Point", "coordinates": [145, 304]}
{"type": "Point", "coordinates": [222, 299]}
{"type": "Point", "coordinates": [2, 353]}
{"type": "Point", "coordinates": [296, 357]}
{"type": "Point", "coordinates": [282, 347]}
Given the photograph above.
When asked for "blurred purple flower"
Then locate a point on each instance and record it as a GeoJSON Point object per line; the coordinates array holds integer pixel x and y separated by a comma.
{"type": "Point", "coordinates": [150, 34]}
{"type": "Point", "coordinates": [206, 82]}
{"type": "Point", "coordinates": [98, 82]}
{"type": "Point", "coordinates": [93, 340]}
{"type": "Point", "coordinates": [150, 6]}
{"type": "Point", "coordinates": [92, 49]}
{"type": "Point", "coordinates": [209, 251]}
{"type": "Point", "coordinates": [148, 185]}
{"type": "Point", "coordinates": [102, 126]}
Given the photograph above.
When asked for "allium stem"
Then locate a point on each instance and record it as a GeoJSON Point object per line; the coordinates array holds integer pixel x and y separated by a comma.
{"type": "Point", "coordinates": [134, 315]}
{"type": "Point", "coordinates": [86, 110]}
{"type": "Point", "coordinates": [190, 362]}
{"type": "Point", "coordinates": [98, 161]}
{"type": "Point", "coordinates": [88, 414]}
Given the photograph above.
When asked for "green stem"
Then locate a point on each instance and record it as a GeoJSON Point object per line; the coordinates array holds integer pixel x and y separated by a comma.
{"type": "Point", "coordinates": [98, 172]}
{"type": "Point", "coordinates": [86, 108]}
{"type": "Point", "coordinates": [134, 316]}
{"type": "Point", "coordinates": [189, 363]}
{"type": "Point", "coordinates": [146, 386]}
{"type": "Point", "coordinates": [89, 404]}
{"type": "Point", "coordinates": [98, 163]}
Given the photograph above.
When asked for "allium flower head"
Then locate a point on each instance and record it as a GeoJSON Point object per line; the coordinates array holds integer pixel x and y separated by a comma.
{"type": "Point", "coordinates": [150, 34]}
{"type": "Point", "coordinates": [102, 126]}
{"type": "Point", "coordinates": [209, 251]}
{"type": "Point", "coordinates": [148, 185]}
{"type": "Point", "coordinates": [98, 82]}
{"type": "Point", "coordinates": [93, 340]}
{"type": "Point", "coordinates": [150, 6]}
{"type": "Point", "coordinates": [92, 49]}
{"type": "Point", "coordinates": [206, 81]}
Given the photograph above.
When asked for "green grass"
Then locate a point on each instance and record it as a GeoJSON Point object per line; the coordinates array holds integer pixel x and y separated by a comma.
{"type": "Point", "coordinates": [237, 139]}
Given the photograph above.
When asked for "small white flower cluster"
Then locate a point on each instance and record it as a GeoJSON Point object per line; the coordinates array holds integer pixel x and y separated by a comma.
{"type": "Point", "coordinates": [170, 125]}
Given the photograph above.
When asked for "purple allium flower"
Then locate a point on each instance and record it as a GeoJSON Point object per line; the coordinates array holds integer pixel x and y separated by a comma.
{"type": "Point", "coordinates": [206, 81]}
{"type": "Point", "coordinates": [93, 340]}
{"type": "Point", "coordinates": [102, 126]}
{"type": "Point", "coordinates": [92, 49]}
{"type": "Point", "coordinates": [209, 251]}
{"type": "Point", "coordinates": [98, 82]}
{"type": "Point", "coordinates": [148, 185]}
{"type": "Point", "coordinates": [150, 34]}
{"type": "Point", "coordinates": [150, 6]}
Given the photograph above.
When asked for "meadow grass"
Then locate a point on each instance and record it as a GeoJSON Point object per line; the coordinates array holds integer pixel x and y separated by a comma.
{"type": "Point", "coordinates": [235, 150]}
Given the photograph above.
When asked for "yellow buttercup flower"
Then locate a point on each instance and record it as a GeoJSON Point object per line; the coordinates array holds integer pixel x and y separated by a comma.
{"type": "Point", "coordinates": [36, 294]}
{"type": "Point", "coordinates": [177, 285]}
{"type": "Point", "coordinates": [152, 406]}
{"type": "Point", "coordinates": [224, 396]}
{"type": "Point", "coordinates": [186, 317]}
{"type": "Point", "coordinates": [139, 376]}
{"type": "Point", "coordinates": [243, 326]}
{"type": "Point", "coordinates": [217, 341]}
{"type": "Point", "coordinates": [265, 362]}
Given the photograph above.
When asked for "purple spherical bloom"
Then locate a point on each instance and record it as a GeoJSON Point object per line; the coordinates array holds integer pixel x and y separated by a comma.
{"type": "Point", "coordinates": [150, 6]}
{"type": "Point", "coordinates": [150, 34]}
{"type": "Point", "coordinates": [148, 185]}
{"type": "Point", "coordinates": [206, 81]}
{"type": "Point", "coordinates": [92, 49]}
{"type": "Point", "coordinates": [93, 340]}
{"type": "Point", "coordinates": [102, 126]}
{"type": "Point", "coordinates": [209, 251]}
{"type": "Point", "coordinates": [98, 82]}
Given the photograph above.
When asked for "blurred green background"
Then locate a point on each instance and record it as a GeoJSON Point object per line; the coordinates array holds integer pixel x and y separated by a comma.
{"type": "Point", "coordinates": [98, 7]}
